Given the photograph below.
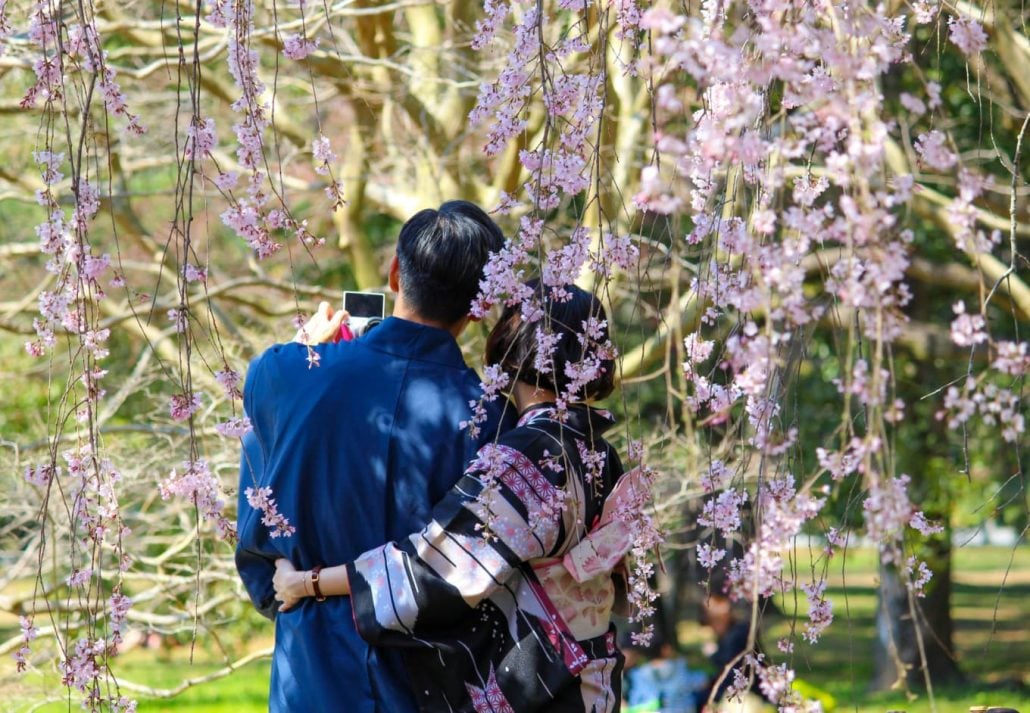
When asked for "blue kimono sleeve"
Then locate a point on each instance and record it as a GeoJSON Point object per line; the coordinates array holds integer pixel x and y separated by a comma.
{"type": "Point", "coordinates": [255, 565]}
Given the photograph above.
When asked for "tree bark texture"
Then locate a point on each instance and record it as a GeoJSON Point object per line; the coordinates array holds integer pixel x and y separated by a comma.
{"type": "Point", "coordinates": [897, 643]}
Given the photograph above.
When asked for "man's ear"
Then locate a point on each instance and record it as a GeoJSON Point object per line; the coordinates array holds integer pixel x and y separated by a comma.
{"type": "Point", "coordinates": [395, 274]}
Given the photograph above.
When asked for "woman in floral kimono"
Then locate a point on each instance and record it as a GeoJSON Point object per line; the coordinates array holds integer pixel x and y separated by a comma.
{"type": "Point", "coordinates": [503, 602]}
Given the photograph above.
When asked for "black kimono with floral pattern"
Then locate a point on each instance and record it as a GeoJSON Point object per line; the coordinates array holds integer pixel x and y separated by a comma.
{"type": "Point", "coordinates": [489, 618]}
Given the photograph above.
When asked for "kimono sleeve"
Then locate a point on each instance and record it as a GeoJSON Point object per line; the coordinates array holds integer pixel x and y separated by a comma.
{"type": "Point", "coordinates": [504, 511]}
{"type": "Point", "coordinates": [255, 562]}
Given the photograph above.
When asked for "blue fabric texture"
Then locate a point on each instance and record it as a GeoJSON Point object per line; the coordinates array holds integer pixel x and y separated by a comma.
{"type": "Point", "coordinates": [356, 450]}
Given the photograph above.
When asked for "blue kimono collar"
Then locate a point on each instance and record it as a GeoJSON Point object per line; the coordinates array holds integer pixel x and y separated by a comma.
{"type": "Point", "coordinates": [412, 340]}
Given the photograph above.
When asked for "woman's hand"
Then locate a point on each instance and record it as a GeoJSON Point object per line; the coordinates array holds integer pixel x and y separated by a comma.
{"type": "Point", "coordinates": [290, 585]}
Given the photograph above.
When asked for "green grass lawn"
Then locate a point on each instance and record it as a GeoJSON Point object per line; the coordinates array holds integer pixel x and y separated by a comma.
{"type": "Point", "coordinates": [994, 650]}
{"type": "Point", "coordinates": [243, 691]}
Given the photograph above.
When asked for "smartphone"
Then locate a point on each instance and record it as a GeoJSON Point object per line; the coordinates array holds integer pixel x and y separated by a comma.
{"type": "Point", "coordinates": [366, 310]}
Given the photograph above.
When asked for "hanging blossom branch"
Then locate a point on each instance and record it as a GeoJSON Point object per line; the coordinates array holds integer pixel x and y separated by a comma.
{"type": "Point", "coordinates": [71, 70]}
{"type": "Point", "coordinates": [779, 161]}
{"type": "Point", "coordinates": [80, 100]}
{"type": "Point", "coordinates": [728, 154]}
{"type": "Point", "coordinates": [730, 165]}
{"type": "Point", "coordinates": [249, 215]}
{"type": "Point", "coordinates": [564, 74]}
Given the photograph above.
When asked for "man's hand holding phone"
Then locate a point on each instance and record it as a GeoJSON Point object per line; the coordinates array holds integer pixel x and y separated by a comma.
{"type": "Point", "coordinates": [323, 327]}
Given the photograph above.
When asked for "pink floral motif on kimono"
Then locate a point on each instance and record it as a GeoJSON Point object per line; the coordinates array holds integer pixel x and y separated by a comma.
{"type": "Point", "coordinates": [490, 699]}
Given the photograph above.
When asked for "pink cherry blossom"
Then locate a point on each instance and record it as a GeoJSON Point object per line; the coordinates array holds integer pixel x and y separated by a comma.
{"type": "Point", "coordinates": [277, 523]}
{"type": "Point", "coordinates": [196, 484]}
{"type": "Point", "coordinates": [918, 575]}
{"type": "Point", "coordinates": [708, 556]}
{"type": "Point", "coordinates": [820, 611]}
{"type": "Point", "coordinates": [298, 47]}
{"type": "Point", "coordinates": [235, 427]}
{"type": "Point", "coordinates": [29, 632]}
{"type": "Point", "coordinates": [200, 138]}
{"type": "Point", "coordinates": [182, 406]}
{"type": "Point", "coordinates": [323, 154]}
{"type": "Point", "coordinates": [919, 522]}
{"type": "Point", "coordinates": [967, 330]}
{"type": "Point", "coordinates": [230, 380]}
{"type": "Point", "coordinates": [933, 150]}
{"type": "Point", "coordinates": [967, 34]}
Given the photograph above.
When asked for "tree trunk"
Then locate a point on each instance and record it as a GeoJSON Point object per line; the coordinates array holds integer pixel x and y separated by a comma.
{"type": "Point", "coordinates": [897, 643]}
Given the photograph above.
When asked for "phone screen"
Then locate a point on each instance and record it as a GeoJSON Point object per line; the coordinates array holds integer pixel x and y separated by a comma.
{"type": "Point", "coordinates": [365, 304]}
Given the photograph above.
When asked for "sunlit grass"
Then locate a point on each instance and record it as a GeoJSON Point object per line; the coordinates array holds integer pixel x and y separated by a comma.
{"type": "Point", "coordinates": [993, 650]}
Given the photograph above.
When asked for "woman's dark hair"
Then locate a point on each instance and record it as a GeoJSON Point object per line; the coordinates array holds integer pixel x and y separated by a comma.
{"type": "Point", "coordinates": [512, 342]}
{"type": "Point", "coordinates": [441, 254]}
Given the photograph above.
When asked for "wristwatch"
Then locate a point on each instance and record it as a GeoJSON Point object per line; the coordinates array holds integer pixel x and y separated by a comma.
{"type": "Point", "coordinates": [319, 597]}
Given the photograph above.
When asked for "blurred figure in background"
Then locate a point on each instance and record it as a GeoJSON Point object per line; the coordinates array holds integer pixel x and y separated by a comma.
{"type": "Point", "coordinates": [731, 645]}
{"type": "Point", "coordinates": [659, 678]}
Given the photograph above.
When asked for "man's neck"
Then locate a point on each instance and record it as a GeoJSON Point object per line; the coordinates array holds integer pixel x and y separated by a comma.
{"type": "Point", "coordinates": [402, 311]}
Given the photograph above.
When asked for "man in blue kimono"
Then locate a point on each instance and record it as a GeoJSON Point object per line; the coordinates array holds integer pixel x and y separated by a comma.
{"type": "Point", "coordinates": [356, 450]}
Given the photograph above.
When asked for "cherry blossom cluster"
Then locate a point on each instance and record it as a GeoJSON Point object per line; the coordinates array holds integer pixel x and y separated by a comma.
{"type": "Point", "coordinates": [962, 215]}
{"type": "Point", "coordinates": [489, 465]}
{"type": "Point", "coordinates": [775, 683]}
{"type": "Point", "coordinates": [278, 524]}
{"type": "Point", "coordinates": [917, 576]}
{"type": "Point", "coordinates": [87, 43]}
{"type": "Point", "coordinates": [298, 47]}
{"type": "Point", "coordinates": [988, 394]}
{"type": "Point", "coordinates": [183, 406]}
{"type": "Point", "coordinates": [230, 380]}
{"type": "Point", "coordinates": [820, 610]}
{"type": "Point", "coordinates": [77, 93]}
{"type": "Point", "coordinates": [82, 670]}
{"type": "Point", "coordinates": [783, 511]}
{"type": "Point", "coordinates": [118, 606]}
{"type": "Point", "coordinates": [495, 381]}
{"type": "Point", "coordinates": [70, 305]}
{"type": "Point", "coordinates": [95, 511]}
{"type": "Point", "coordinates": [29, 632]}
{"type": "Point", "coordinates": [558, 166]}
{"type": "Point", "coordinates": [325, 157]}
{"type": "Point", "coordinates": [504, 100]}
{"type": "Point", "coordinates": [235, 427]}
{"type": "Point", "coordinates": [245, 215]}
{"type": "Point", "coordinates": [249, 214]}
{"type": "Point", "coordinates": [198, 485]}
{"type": "Point", "coordinates": [805, 190]}
{"type": "Point", "coordinates": [43, 31]}
{"type": "Point", "coordinates": [997, 406]}
{"type": "Point", "coordinates": [593, 462]}
{"type": "Point", "coordinates": [638, 512]}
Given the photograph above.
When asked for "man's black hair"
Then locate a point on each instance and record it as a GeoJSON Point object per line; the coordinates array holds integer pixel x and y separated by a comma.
{"type": "Point", "coordinates": [442, 254]}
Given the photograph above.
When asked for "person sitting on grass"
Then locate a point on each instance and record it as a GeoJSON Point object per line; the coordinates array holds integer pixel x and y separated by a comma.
{"type": "Point", "coordinates": [661, 679]}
